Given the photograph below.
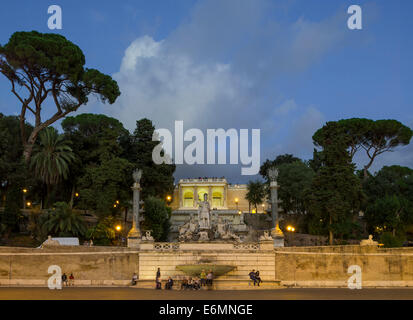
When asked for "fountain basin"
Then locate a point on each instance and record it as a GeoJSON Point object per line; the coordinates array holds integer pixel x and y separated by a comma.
{"type": "Point", "coordinates": [194, 270]}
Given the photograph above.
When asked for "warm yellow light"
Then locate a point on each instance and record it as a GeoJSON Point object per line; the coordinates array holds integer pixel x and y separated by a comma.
{"type": "Point", "coordinates": [115, 205]}
{"type": "Point", "coordinates": [24, 190]}
{"type": "Point", "coordinates": [117, 201]}
{"type": "Point", "coordinates": [236, 200]}
{"type": "Point", "coordinates": [28, 203]}
{"type": "Point", "coordinates": [118, 228]}
{"type": "Point", "coordinates": [289, 228]}
{"type": "Point", "coordinates": [168, 198]}
{"type": "Point", "coordinates": [76, 194]}
{"type": "Point", "coordinates": [292, 229]}
{"type": "Point", "coordinates": [253, 211]}
{"type": "Point", "coordinates": [239, 212]}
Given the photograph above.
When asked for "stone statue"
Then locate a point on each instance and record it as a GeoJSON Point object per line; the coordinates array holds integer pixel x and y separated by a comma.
{"type": "Point", "coordinates": [273, 174]}
{"type": "Point", "coordinates": [203, 236]}
{"type": "Point", "coordinates": [220, 228]}
{"type": "Point", "coordinates": [50, 242]}
{"type": "Point", "coordinates": [147, 236]}
{"type": "Point", "coordinates": [224, 231]}
{"type": "Point", "coordinates": [137, 175]}
{"type": "Point", "coordinates": [369, 242]}
{"type": "Point", "coordinates": [266, 236]}
{"type": "Point", "coordinates": [204, 213]}
{"type": "Point", "coordinates": [188, 229]}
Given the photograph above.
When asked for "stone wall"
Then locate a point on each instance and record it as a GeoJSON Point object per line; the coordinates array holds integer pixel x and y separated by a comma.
{"type": "Point", "coordinates": [327, 266]}
{"type": "Point", "coordinates": [302, 266]}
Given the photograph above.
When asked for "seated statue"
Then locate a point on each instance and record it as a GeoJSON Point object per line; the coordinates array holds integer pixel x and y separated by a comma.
{"type": "Point", "coordinates": [369, 242]}
{"type": "Point", "coordinates": [50, 242]}
{"type": "Point", "coordinates": [188, 230]}
{"type": "Point", "coordinates": [266, 236]}
{"type": "Point", "coordinates": [147, 236]}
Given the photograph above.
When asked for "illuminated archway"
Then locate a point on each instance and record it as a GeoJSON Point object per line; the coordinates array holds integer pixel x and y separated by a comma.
{"type": "Point", "coordinates": [217, 199]}
{"type": "Point", "coordinates": [188, 199]}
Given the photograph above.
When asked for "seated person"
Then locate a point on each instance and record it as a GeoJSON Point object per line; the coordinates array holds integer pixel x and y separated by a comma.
{"type": "Point", "coordinates": [184, 284]}
{"type": "Point", "coordinates": [169, 284]}
{"type": "Point", "coordinates": [134, 279]}
{"type": "Point", "coordinates": [257, 277]}
{"type": "Point", "coordinates": [253, 276]}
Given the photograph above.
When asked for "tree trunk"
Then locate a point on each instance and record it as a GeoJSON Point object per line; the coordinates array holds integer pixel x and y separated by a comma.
{"type": "Point", "coordinates": [27, 152]}
{"type": "Point", "coordinates": [72, 197]}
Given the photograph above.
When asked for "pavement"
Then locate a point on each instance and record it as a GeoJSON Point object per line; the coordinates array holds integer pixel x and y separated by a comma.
{"type": "Point", "coordinates": [116, 293]}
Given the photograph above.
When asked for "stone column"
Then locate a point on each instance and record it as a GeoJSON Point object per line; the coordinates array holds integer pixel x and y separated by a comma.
{"type": "Point", "coordinates": [276, 232]}
{"type": "Point", "coordinates": [210, 196]}
{"type": "Point", "coordinates": [195, 191]}
{"type": "Point", "coordinates": [225, 196]}
{"type": "Point", "coordinates": [181, 196]}
{"type": "Point", "coordinates": [134, 235]}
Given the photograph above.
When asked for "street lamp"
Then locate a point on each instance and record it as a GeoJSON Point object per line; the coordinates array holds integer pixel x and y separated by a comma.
{"type": "Point", "coordinates": [236, 202]}
{"type": "Point", "coordinates": [168, 198]}
{"type": "Point", "coordinates": [290, 228]}
{"type": "Point", "coordinates": [118, 228]}
{"type": "Point", "coordinates": [28, 203]}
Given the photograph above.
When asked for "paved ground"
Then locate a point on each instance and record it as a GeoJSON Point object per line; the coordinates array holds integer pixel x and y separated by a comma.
{"type": "Point", "coordinates": [151, 294]}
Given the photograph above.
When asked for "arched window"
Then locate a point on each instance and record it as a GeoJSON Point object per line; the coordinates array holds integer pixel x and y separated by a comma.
{"type": "Point", "coordinates": [188, 199]}
{"type": "Point", "coordinates": [217, 199]}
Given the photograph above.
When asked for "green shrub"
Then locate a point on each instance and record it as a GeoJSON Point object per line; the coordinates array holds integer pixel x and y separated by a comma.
{"type": "Point", "coordinates": [390, 241]}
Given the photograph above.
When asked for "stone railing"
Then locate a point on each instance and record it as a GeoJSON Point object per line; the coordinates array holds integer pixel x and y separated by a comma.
{"type": "Point", "coordinates": [165, 246]}
{"type": "Point", "coordinates": [202, 180]}
{"type": "Point", "coordinates": [206, 246]}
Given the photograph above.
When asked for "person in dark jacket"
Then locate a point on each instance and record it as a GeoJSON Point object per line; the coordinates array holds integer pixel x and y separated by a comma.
{"type": "Point", "coordinates": [252, 275]}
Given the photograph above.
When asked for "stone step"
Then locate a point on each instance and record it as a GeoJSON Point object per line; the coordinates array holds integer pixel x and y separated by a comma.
{"type": "Point", "coordinates": [218, 285]}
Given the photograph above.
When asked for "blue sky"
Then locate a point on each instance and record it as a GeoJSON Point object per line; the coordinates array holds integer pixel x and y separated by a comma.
{"type": "Point", "coordinates": [285, 67]}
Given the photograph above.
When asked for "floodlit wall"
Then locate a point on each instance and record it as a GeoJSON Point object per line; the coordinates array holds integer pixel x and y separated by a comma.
{"type": "Point", "coordinates": [300, 266]}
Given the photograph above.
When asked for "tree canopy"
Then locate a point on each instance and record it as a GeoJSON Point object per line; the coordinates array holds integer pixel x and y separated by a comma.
{"type": "Point", "coordinates": [48, 65]}
{"type": "Point", "coordinates": [374, 137]}
{"type": "Point", "coordinates": [336, 191]}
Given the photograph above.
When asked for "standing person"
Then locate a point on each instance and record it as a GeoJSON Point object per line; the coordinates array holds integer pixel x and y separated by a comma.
{"type": "Point", "coordinates": [203, 278]}
{"type": "Point", "coordinates": [158, 284]}
{"type": "Point", "coordinates": [64, 279]}
{"type": "Point", "coordinates": [134, 279]}
{"type": "Point", "coordinates": [209, 278]}
{"type": "Point", "coordinates": [71, 280]}
{"type": "Point", "coordinates": [257, 277]}
{"type": "Point", "coordinates": [252, 276]}
{"type": "Point", "coordinates": [158, 279]}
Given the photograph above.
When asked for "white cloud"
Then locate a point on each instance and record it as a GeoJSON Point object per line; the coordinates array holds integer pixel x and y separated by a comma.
{"type": "Point", "coordinates": [164, 86]}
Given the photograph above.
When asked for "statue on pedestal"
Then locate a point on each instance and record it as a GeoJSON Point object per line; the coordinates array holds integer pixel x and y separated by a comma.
{"type": "Point", "coordinates": [369, 242]}
{"type": "Point", "coordinates": [204, 216]}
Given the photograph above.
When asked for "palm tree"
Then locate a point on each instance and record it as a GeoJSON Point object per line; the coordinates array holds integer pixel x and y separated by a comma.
{"type": "Point", "coordinates": [51, 158]}
{"type": "Point", "coordinates": [255, 193]}
{"type": "Point", "coordinates": [62, 221]}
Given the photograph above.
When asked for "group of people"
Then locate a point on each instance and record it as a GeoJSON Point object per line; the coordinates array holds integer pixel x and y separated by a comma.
{"type": "Point", "coordinates": [68, 281]}
{"type": "Point", "coordinates": [255, 277]}
{"type": "Point", "coordinates": [204, 279]}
